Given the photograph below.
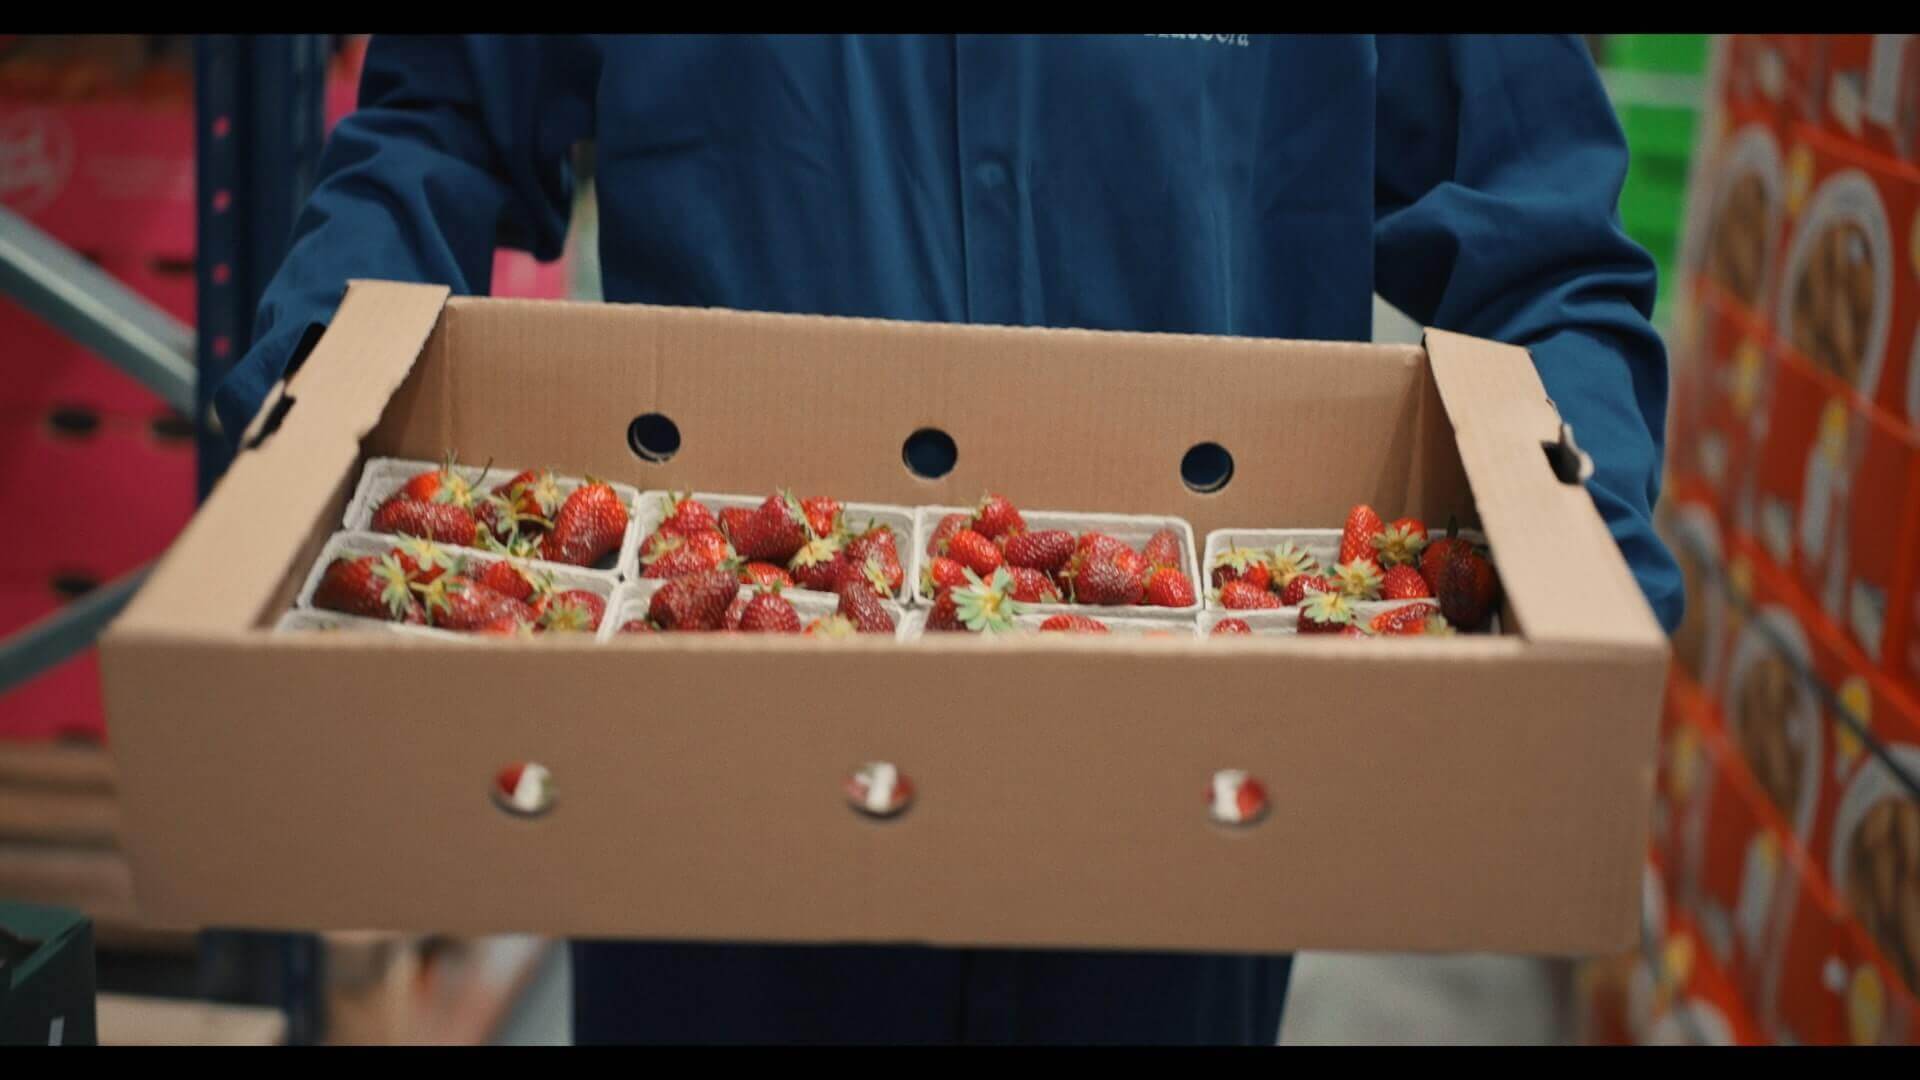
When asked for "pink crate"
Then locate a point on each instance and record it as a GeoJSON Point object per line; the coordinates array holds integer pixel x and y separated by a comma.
{"type": "Point", "coordinates": [109, 178]}
{"type": "Point", "coordinates": [63, 703]}
{"type": "Point", "coordinates": [519, 275]}
{"type": "Point", "coordinates": [168, 283]}
{"type": "Point", "coordinates": [102, 504]}
{"type": "Point", "coordinates": [41, 368]}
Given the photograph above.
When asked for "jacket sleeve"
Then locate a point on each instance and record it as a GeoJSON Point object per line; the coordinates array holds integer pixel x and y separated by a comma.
{"type": "Point", "coordinates": [459, 145]}
{"type": "Point", "coordinates": [1498, 172]}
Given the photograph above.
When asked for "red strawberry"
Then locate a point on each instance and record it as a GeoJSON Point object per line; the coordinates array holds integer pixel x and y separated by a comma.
{"type": "Point", "coordinates": [823, 515]}
{"type": "Point", "coordinates": [764, 574]}
{"type": "Point", "coordinates": [831, 626]}
{"type": "Point", "coordinates": [685, 515]}
{"type": "Point", "coordinates": [1168, 587]}
{"type": "Point", "coordinates": [424, 560]}
{"type": "Point", "coordinates": [1403, 582]}
{"type": "Point", "coordinates": [1243, 595]}
{"type": "Point", "coordinates": [942, 573]}
{"type": "Point", "coordinates": [1355, 630]}
{"type": "Point", "coordinates": [1356, 540]}
{"type": "Point", "coordinates": [1401, 543]}
{"type": "Point", "coordinates": [442, 522]}
{"type": "Point", "coordinates": [1047, 550]}
{"type": "Point", "coordinates": [1091, 543]}
{"type": "Point", "coordinates": [678, 556]}
{"type": "Point", "coordinates": [1289, 560]}
{"type": "Point", "coordinates": [1438, 550]}
{"type": "Point", "coordinates": [986, 605]}
{"type": "Point", "coordinates": [636, 626]}
{"type": "Point", "coordinates": [943, 532]}
{"type": "Point", "coordinates": [863, 608]}
{"type": "Point", "coordinates": [1163, 549]}
{"type": "Point", "coordinates": [1359, 579]}
{"type": "Point", "coordinates": [1109, 577]}
{"type": "Point", "coordinates": [459, 603]}
{"type": "Point", "coordinates": [504, 625]}
{"type": "Point", "coordinates": [1326, 613]}
{"type": "Point", "coordinates": [574, 609]}
{"type": "Point", "coordinates": [769, 613]}
{"type": "Point", "coordinates": [697, 602]}
{"type": "Point", "coordinates": [774, 531]}
{"type": "Point", "coordinates": [1405, 619]}
{"type": "Point", "coordinates": [373, 586]}
{"type": "Point", "coordinates": [995, 517]}
{"type": "Point", "coordinates": [1230, 626]}
{"type": "Point", "coordinates": [507, 580]}
{"type": "Point", "coordinates": [1468, 589]}
{"type": "Point", "coordinates": [532, 494]}
{"type": "Point", "coordinates": [1030, 586]}
{"type": "Point", "coordinates": [945, 615]}
{"type": "Point", "coordinates": [1074, 624]}
{"type": "Point", "coordinates": [588, 526]}
{"type": "Point", "coordinates": [731, 621]}
{"type": "Point", "coordinates": [817, 564]}
{"type": "Point", "coordinates": [1303, 586]}
{"type": "Point", "coordinates": [1238, 563]}
{"type": "Point", "coordinates": [733, 519]}
{"type": "Point", "coordinates": [441, 485]}
{"type": "Point", "coordinates": [975, 552]}
{"type": "Point", "coordinates": [877, 544]}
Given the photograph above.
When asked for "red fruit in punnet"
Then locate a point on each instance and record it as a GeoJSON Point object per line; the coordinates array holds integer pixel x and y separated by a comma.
{"type": "Point", "coordinates": [1355, 630]}
{"type": "Point", "coordinates": [1243, 595]}
{"type": "Point", "coordinates": [831, 626]}
{"type": "Point", "coordinates": [371, 586]}
{"type": "Point", "coordinates": [1227, 627]}
{"type": "Point", "coordinates": [677, 556]}
{"type": "Point", "coordinates": [459, 603]}
{"type": "Point", "coordinates": [943, 532]}
{"type": "Point", "coordinates": [764, 574]}
{"type": "Point", "coordinates": [1403, 582]}
{"type": "Point", "coordinates": [1109, 577]}
{"type": "Point", "coordinates": [1097, 543]}
{"type": "Point", "coordinates": [996, 516]}
{"type": "Point", "coordinates": [1468, 589]}
{"type": "Point", "coordinates": [987, 605]}
{"type": "Point", "coordinates": [1031, 586]}
{"type": "Point", "coordinates": [1074, 624]}
{"type": "Point", "coordinates": [1326, 613]}
{"type": "Point", "coordinates": [945, 613]}
{"type": "Point", "coordinates": [1289, 560]}
{"type": "Point", "coordinates": [442, 485]}
{"type": "Point", "coordinates": [817, 565]}
{"type": "Point", "coordinates": [1303, 586]}
{"type": "Point", "coordinates": [507, 580]}
{"type": "Point", "coordinates": [424, 560]}
{"type": "Point", "coordinates": [1047, 550]}
{"type": "Point", "coordinates": [636, 626]}
{"type": "Point", "coordinates": [1405, 619]}
{"type": "Point", "coordinates": [1359, 579]}
{"type": "Point", "coordinates": [686, 515]}
{"type": "Point", "coordinates": [1167, 587]}
{"type": "Point", "coordinates": [823, 514]}
{"type": "Point", "coordinates": [733, 519]}
{"type": "Point", "coordinates": [774, 531]}
{"type": "Point", "coordinates": [1401, 543]}
{"type": "Point", "coordinates": [942, 573]}
{"type": "Point", "coordinates": [1356, 540]}
{"type": "Point", "coordinates": [1439, 549]}
{"type": "Point", "coordinates": [862, 607]}
{"type": "Point", "coordinates": [573, 609]}
{"type": "Point", "coordinates": [877, 545]}
{"type": "Point", "coordinates": [588, 527]}
{"type": "Point", "coordinates": [1235, 564]}
{"type": "Point", "coordinates": [769, 613]}
{"type": "Point", "coordinates": [1163, 549]}
{"type": "Point", "coordinates": [532, 494]}
{"type": "Point", "coordinates": [441, 522]}
{"type": "Point", "coordinates": [975, 552]}
{"type": "Point", "coordinates": [503, 626]}
{"type": "Point", "coordinates": [697, 602]}
{"type": "Point", "coordinates": [736, 609]}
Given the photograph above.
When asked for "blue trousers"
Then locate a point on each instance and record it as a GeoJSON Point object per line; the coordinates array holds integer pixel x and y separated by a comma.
{"type": "Point", "coordinates": [635, 993]}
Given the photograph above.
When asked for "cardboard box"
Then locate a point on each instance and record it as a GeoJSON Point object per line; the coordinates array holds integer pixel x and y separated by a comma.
{"type": "Point", "coordinates": [1870, 92]}
{"type": "Point", "coordinates": [1804, 466]}
{"type": "Point", "coordinates": [1772, 73]}
{"type": "Point", "coordinates": [1691, 525]}
{"type": "Point", "coordinates": [46, 976]}
{"type": "Point", "coordinates": [1060, 785]}
{"type": "Point", "coordinates": [1877, 543]}
{"type": "Point", "coordinates": [1773, 713]}
{"type": "Point", "coordinates": [1732, 404]}
{"type": "Point", "coordinates": [1850, 275]}
{"type": "Point", "coordinates": [107, 178]}
{"type": "Point", "coordinates": [1744, 188]}
{"type": "Point", "coordinates": [1828, 986]}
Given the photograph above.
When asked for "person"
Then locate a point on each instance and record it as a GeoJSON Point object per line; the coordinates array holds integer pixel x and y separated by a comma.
{"type": "Point", "coordinates": [1202, 183]}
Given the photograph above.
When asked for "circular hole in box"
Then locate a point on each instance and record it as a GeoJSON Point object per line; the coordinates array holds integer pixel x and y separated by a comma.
{"type": "Point", "coordinates": [654, 436]}
{"type": "Point", "coordinates": [1206, 468]}
{"type": "Point", "coordinates": [171, 428]}
{"type": "Point", "coordinates": [929, 453]}
{"type": "Point", "coordinates": [523, 789]}
{"type": "Point", "coordinates": [73, 421]}
{"type": "Point", "coordinates": [72, 586]}
{"type": "Point", "coordinates": [879, 790]}
{"type": "Point", "coordinates": [1237, 798]}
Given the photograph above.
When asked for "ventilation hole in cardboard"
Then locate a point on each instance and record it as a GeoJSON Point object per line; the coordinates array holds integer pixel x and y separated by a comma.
{"type": "Point", "coordinates": [73, 586]}
{"type": "Point", "coordinates": [73, 421]}
{"type": "Point", "coordinates": [929, 453]}
{"type": "Point", "coordinates": [879, 790]}
{"type": "Point", "coordinates": [654, 436]}
{"type": "Point", "coordinates": [1206, 468]}
{"type": "Point", "coordinates": [1237, 798]}
{"type": "Point", "coordinates": [523, 789]}
{"type": "Point", "coordinates": [171, 427]}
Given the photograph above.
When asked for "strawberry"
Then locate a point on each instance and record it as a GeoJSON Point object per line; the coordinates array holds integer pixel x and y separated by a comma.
{"type": "Point", "coordinates": [1239, 563]}
{"type": "Point", "coordinates": [877, 544]}
{"type": "Point", "coordinates": [1047, 550]}
{"type": "Point", "coordinates": [761, 573]}
{"type": "Point", "coordinates": [985, 605]}
{"type": "Point", "coordinates": [1289, 560]}
{"type": "Point", "coordinates": [1230, 626]}
{"type": "Point", "coordinates": [1163, 549]}
{"type": "Point", "coordinates": [1356, 540]}
{"type": "Point", "coordinates": [945, 615]}
{"type": "Point", "coordinates": [636, 626]}
{"type": "Point", "coordinates": [685, 515]}
{"type": "Point", "coordinates": [1467, 589]}
{"type": "Point", "coordinates": [941, 573]}
{"type": "Point", "coordinates": [460, 603]}
{"type": "Point", "coordinates": [975, 552]}
{"type": "Point", "coordinates": [1437, 626]}
{"type": "Point", "coordinates": [1092, 543]}
{"type": "Point", "coordinates": [736, 609]}
{"type": "Point", "coordinates": [507, 580]}
{"type": "Point", "coordinates": [573, 609]}
{"type": "Point", "coordinates": [442, 522]}
{"type": "Point", "coordinates": [441, 485]}
{"type": "Point", "coordinates": [424, 560]}
{"type": "Point", "coordinates": [774, 531]}
{"type": "Point", "coordinates": [943, 532]}
{"type": "Point", "coordinates": [1030, 586]}
{"type": "Point", "coordinates": [995, 517]}
{"type": "Point", "coordinates": [817, 565]}
{"type": "Point", "coordinates": [678, 556]}
{"type": "Point", "coordinates": [587, 527]}
{"type": "Point", "coordinates": [831, 626]}
{"type": "Point", "coordinates": [733, 519]}
{"type": "Point", "coordinates": [1355, 630]}
{"type": "Point", "coordinates": [1434, 558]}
{"type": "Point", "coordinates": [871, 574]}
{"type": "Point", "coordinates": [1110, 577]}
{"type": "Point", "coordinates": [1243, 595]}
{"type": "Point", "coordinates": [863, 608]}
{"type": "Point", "coordinates": [372, 586]}
{"type": "Point", "coordinates": [1168, 587]}
{"type": "Point", "coordinates": [697, 602]}
{"type": "Point", "coordinates": [1303, 586]}
{"type": "Point", "coordinates": [503, 625]}
{"type": "Point", "coordinates": [527, 500]}
{"type": "Point", "coordinates": [1403, 582]}
{"type": "Point", "coordinates": [1401, 543]}
{"type": "Point", "coordinates": [1359, 579]}
{"type": "Point", "coordinates": [1402, 620]}
{"type": "Point", "coordinates": [1074, 624]}
{"type": "Point", "coordinates": [1326, 613]}
{"type": "Point", "coordinates": [823, 515]}
{"type": "Point", "coordinates": [769, 613]}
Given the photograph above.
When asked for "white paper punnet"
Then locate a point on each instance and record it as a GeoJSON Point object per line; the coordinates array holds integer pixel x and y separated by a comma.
{"type": "Point", "coordinates": [631, 599]}
{"type": "Point", "coordinates": [1133, 530]}
{"type": "Point", "coordinates": [316, 620]}
{"type": "Point", "coordinates": [383, 476]}
{"type": "Point", "coordinates": [1322, 544]}
{"type": "Point", "coordinates": [654, 506]}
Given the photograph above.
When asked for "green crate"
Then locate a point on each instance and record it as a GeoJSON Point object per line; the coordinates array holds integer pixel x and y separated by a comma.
{"type": "Point", "coordinates": [1644, 209]}
{"type": "Point", "coordinates": [1668, 54]}
{"type": "Point", "coordinates": [1666, 131]}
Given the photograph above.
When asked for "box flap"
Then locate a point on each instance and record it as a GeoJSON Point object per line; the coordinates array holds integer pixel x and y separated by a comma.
{"type": "Point", "coordinates": [1537, 525]}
